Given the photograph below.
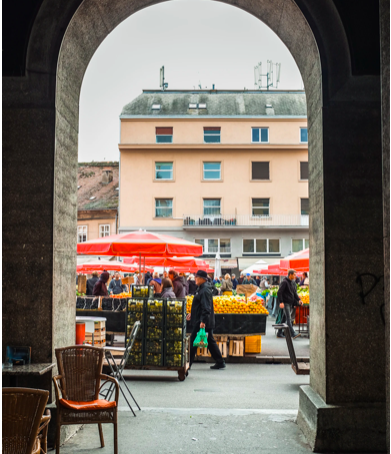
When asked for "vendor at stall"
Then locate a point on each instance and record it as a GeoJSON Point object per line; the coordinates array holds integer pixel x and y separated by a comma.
{"type": "Point", "coordinates": [100, 288]}
{"type": "Point", "coordinates": [91, 283]}
{"type": "Point", "coordinates": [115, 286]}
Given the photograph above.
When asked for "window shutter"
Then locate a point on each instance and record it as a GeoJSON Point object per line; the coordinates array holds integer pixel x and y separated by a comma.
{"type": "Point", "coordinates": [260, 171]}
{"type": "Point", "coordinates": [212, 128]}
{"type": "Point", "coordinates": [166, 131]}
{"type": "Point", "coordinates": [304, 171]}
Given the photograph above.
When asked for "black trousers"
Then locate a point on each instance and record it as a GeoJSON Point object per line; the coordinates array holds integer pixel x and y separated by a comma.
{"type": "Point", "coordinates": [213, 348]}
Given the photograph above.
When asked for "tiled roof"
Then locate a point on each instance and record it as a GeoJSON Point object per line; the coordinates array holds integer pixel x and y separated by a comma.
{"type": "Point", "coordinates": [91, 181]}
{"type": "Point", "coordinates": [222, 103]}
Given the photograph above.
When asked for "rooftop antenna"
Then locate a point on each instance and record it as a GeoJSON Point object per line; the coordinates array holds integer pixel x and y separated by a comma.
{"type": "Point", "coordinates": [272, 75]}
{"type": "Point", "coordinates": [163, 85]}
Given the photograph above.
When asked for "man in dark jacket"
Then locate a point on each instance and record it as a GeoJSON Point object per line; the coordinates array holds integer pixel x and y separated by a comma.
{"type": "Point", "coordinates": [248, 280]}
{"type": "Point", "coordinates": [91, 283]}
{"type": "Point", "coordinates": [288, 299]}
{"type": "Point", "coordinates": [177, 284]}
{"type": "Point", "coordinates": [203, 316]}
{"type": "Point", "coordinates": [234, 282]}
{"type": "Point", "coordinates": [115, 286]}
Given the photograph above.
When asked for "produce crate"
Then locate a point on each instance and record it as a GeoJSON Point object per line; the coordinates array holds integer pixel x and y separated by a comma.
{"type": "Point", "coordinates": [236, 347]}
{"type": "Point", "coordinates": [142, 291]}
{"type": "Point", "coordinates": [222, 343]}
{"type": "Point", "coordinates": [155, 314]}
{"type": "Point", "coordinates": [176, 312]}
{"type": "Point", "coordinates": [153, 359]}
{"type": "Point", "coordinates": [135, 312]}
{"type": "Point", "coordinates": [253, 344]}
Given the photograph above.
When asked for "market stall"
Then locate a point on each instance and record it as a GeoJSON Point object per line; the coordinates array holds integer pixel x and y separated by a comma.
{"type": "Point", "coordinates": [240, 323]}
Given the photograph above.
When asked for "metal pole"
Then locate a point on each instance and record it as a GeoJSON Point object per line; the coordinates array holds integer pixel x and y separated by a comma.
{"type": "Point", "coordinates": [144, 272]}
{"type": "Point", "coordinates": [139, 265]}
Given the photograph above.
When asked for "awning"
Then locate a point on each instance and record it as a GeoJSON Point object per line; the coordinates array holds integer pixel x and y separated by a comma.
{"type": "Point", "coordinates": [225, 263]}
{"type": "Point", "coordinates": [248, 261]}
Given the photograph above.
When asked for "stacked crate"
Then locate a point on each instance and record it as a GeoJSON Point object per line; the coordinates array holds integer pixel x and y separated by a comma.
{"type": "Point", "coordinates": [99, 335]}
{"type": "Point", "coordinates": [175, 333]}
{"type": "Point", "coordinates": [154, 333]}
{"type": "Point", "coordinates": [135, 312]}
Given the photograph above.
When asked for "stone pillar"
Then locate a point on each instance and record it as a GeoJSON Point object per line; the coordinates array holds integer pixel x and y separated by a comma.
{"type": "Point", "coordinates": [344, 409]}
{"type": "Point", "coordinates": [385, 96]}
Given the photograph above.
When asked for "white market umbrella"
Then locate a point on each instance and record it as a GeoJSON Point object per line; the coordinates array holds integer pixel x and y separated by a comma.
{"type": "Point", "coordinates": [252, 268]}
{"type": "Point", "coordinates": [217, 266]}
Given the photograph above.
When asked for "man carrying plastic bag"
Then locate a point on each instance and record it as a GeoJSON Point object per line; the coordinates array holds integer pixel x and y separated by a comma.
{"type": "Point", "coordinates": [203, 317]}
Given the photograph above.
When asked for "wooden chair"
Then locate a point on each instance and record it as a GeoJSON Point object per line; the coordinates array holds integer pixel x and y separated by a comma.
{"type": "Point", "coordinates": [299, 368]}
{"type": "Point", "coordinates": [77, 391]}
{"type": "Point", "coordinates": [24, 426]}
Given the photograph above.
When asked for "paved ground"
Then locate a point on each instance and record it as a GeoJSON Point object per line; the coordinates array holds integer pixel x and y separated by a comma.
{"type": "Point", "coordinates": [246, 408]}
{"type": "Point", "coordinates": [274, 346]}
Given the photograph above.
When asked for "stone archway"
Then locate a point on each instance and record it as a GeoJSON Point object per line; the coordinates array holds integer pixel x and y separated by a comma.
{"type": "Point", "coordinates": [344, 122]}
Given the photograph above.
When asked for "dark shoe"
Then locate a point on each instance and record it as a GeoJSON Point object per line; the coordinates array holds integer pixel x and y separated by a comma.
{"type": "Point", "coordinates": [296, 335]}
{"type": "Point", "coordinates": [282, 336]}
{"type": "Point", "coordinates": [218, 366]}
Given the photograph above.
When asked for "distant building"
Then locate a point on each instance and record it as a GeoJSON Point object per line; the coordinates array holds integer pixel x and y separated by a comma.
{"type": "Point", "coordinates": [225, 168]}
{"type": "Point", "coordinates": [97, 200]}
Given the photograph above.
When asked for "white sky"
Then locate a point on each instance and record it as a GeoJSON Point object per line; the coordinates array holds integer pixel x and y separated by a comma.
{"type": "Point", "coordinates": [197, 41]}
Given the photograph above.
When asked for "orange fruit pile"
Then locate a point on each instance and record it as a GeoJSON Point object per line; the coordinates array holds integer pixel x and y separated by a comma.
{"type": "Point", "coordinates": [232, 305]}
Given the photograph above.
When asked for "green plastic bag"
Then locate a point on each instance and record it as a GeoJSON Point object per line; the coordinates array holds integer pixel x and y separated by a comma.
{"type": "Point", "coordinates": [201, 339]}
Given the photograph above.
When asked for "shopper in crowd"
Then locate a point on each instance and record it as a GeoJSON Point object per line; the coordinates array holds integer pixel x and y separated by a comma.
{"type": "Point", "coordinates": [115, 286]}
{"type": "Point", "coordinates": [304, 281]}
{"type": "Point", "coordinates": [288, 299]}
{"type": "Point", "coordinates": [216, 281]}
{"type": "Point", "coordinates": [135, 278]}
{"type": "Point", "coordinates": [100, 288]}
{"type": "Point", "coordinates": [248, 280]}
{"type": "Point", "coordinates": [264, 285]}
{"type": "Point", "coordinates": [202, 316]}
{"type": "Point", "coordinates": [226, 285]}
{"type": "Point", "coordinates": [258, 280]}
{"type": "Point", "coordinates": [191, 285]}
{"type": "Point", "coordinates": [156, 282]}
{"type": "Point", "coordinates": [147, 278]}
{"type": "Point", "coordinates": [241, 278]}
{"type": "Point", "coordinates": [91, 283]}
{"type": "Point", "coordinates": [234, 282]}
{"type": "Point", "coordinates": [177, 284]}
{"type": "Point", "coordinates": [167, 289]}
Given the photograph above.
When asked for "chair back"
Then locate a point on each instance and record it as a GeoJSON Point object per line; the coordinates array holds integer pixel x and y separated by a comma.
{"type": "Point", "coordinates": [80, 368]}
{"type": "Point", "coordinates": [22, 412]}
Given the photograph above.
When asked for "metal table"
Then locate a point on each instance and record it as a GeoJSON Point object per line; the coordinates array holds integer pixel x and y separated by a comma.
{"type": "Point", "coordinates": [27, 369]}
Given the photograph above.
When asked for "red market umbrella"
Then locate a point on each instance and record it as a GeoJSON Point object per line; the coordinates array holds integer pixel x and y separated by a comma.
{"type": "Point", "coordinates": [170, 262]}
{"type": "Point", "coordinates": [300, 261]}
{"type": "Point", "coordinates": [101, 265]}
{"type": "Point", "coordinates": [140, 243]}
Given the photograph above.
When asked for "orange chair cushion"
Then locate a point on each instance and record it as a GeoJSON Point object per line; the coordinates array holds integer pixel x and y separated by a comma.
{"type": "Point", "coordinates": [99, 404]}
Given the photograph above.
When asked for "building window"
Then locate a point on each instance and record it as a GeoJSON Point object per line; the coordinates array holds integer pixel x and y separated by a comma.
{"type": "Point", "coordinates": [214, 245]}
{"type": "Point", "coordinates": [303, 135]}
{"type": "Point", "coordinates": [164, 135]}
{"type": "Point", "coordinates": [81, 233]}
{"type": "Point", "coordinates": [164, 170]}
{"type": "Point", "coordinates": [260, 135]}
{"type": "Point", "coordinates": [305, 207]}
{"type": "Point", "coordinates": [104, 230]}
{"type": "Point", "coordinates": [261, 246]}
{"type": "Point", "coordinates": [225, 246]}
{"type": "Point", "coordinates": [303, 170]}
{"type": "Point", "coordinates": [212, 134]}
{"type": "Point", "coordinates": [260, 171]}
{"type": "Point", "coordinates": [212, 171]}
{"type": "Point", "coordinates": [163, 208]}
{"type": "Point", "coordinates": [212, 207]}
{"type": "Point", "coordinates": [260, 207]}
{"type": "Point", "coordinates": [300, 244]}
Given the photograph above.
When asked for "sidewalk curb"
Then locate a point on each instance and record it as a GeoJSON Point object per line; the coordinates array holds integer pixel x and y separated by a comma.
{"type": "Point", "coordinates": [256, 360]}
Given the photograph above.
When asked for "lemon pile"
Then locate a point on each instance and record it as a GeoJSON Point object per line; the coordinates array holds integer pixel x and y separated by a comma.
{"type": "Point", "coordinates": [232, 305]}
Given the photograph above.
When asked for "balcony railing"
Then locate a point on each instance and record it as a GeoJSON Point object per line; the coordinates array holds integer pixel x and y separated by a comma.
{"type": "Point", "coordinates": [273, 220]}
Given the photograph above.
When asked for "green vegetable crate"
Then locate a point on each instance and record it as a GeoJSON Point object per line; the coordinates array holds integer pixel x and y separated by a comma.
{"type": "Point", "coordinates": [161, 340]}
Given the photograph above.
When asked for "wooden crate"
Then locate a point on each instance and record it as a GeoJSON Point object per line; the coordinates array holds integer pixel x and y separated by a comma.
{"type": "Point", "coordinates": [203, 352]}
{"type": "Point", "coordinates": [82, 283]}
{"type": "Point", "coordinates": [222, 344]}
{"type": "Point", "coordinates": [253, 344]}
{"type": "Point", "coordinates": [236, 347]}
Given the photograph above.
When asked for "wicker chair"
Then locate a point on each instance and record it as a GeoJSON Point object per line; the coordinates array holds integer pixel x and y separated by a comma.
{"type": "Point", "coordinates": [77, 391]}
{"type": "Point", "coordinates": [24, 426]}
